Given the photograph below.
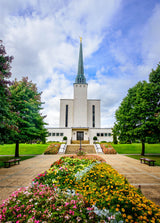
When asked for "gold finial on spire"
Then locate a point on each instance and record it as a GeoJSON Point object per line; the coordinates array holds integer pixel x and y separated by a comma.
{"type": "Point", "coordinates": [80, 39]}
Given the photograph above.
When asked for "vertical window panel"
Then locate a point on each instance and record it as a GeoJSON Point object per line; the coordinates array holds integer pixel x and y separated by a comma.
{"type": "Point", "coordinates": [93, 116]}
{"type": "Point", "coordinates": [66, 121]}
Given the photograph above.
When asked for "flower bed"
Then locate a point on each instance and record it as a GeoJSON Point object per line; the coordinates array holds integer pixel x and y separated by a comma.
{"type": "Point", "coordinates": [42, 203]}
{"type": "Point", "coordinates": [106, 196]}
{"type": "Point", "coordinates": [108, 149]}
{"type": "Point", "coordinates": [52, 148]}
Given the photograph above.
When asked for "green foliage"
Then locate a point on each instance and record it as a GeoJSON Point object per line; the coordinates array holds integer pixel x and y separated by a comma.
{"type": "Point", "coordinates": [154, 76]}
{"type": "Point", "coordinates": [65, 138]}
{"type": "Point", "coordinates": [52, 149]}
{"type": "Point", "coordinates": [95, 138]}
{"type": "Point", "coordinates": [26, 103]}
{"type": "Point", "coordinates": [7, 125]}
{"type": "Point", "coordinates": [115, 141]}
{"type": "Point", "coordinates": [138, 116]}
{"type": "Point", "coordinates": [81, 153]}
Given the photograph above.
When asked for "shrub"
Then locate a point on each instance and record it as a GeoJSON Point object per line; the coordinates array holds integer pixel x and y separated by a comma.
{"type": "Point", "coordinates": [108, 149]}
{"type": "Point", "coordinates": [95, 138]}
{"type": "Point", "coordinates": [52, 149]}
{"type": "Point", "coordinates": [81, 153]}
{"type": "Point", "coordinates": [65, 138]}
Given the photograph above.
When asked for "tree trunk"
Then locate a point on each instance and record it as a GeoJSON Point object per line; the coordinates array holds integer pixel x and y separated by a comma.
{"type": "Point", "coordinates": [143, 148]}
{"type": "Point", "coordinates": [17, 149]}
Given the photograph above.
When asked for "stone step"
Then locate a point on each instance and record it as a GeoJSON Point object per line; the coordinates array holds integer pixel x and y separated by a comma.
{"type": "Point", "coordinates": [74, 148]}
{"type": "Point", "coordinates": [82, 142]}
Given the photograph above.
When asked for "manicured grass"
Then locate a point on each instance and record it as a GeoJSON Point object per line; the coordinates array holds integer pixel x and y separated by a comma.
{"type": "Point", "coordinates": [136, 148]}
{"type": "Point", "coordinates": [24, 149]}
{"type": "Point", "coordinates": [156, 157]}
{"type": "Point", "coordinates": [6, 158]}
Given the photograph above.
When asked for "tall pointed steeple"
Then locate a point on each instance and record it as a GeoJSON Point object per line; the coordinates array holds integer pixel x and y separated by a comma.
{"type": "Point", "coordinates": [80, 78]}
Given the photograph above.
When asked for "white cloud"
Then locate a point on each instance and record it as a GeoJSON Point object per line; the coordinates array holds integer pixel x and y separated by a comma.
{"type": "Point", "coordinates": [150, 41]}
{"type": "Point", "coordinates": [43, 36]}
{"type": "Point", "coordinates": [44, 39]}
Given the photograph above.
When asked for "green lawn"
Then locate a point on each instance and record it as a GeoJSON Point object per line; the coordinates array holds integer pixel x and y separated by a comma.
{"type": "Point", "coordinates": [24, 149]}
{"type": "Point", "coordinates": [5, 158]}
{"type": "Point", "coordinates": [136, 148]}
{"type": "Point", "coordinates": [156, 157]}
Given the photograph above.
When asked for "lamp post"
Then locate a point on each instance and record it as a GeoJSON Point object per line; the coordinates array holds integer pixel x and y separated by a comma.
{"type": "Point", "coordinates": [80, 142]}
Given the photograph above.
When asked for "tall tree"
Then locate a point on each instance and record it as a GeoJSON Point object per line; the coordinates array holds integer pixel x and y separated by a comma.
{"type": "Point", "coordinates": [26, 102]}
{"type": "Point", "coordinates": [136, 118]}
{"type": "Point", "coordinates": [7, 126]}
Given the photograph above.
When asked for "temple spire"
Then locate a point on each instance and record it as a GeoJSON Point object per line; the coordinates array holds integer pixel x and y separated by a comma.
{"type": "Point", "coordinates": [80, 78]}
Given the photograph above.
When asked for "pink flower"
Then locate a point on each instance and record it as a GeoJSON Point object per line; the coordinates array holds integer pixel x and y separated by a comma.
{"type": "Point", "coordinates": [71, 212]}
{"type": "Point", "coordinates": [74, 206]}
{"type": "Point", "coordinates": [67, 216]}
{"type": "Point", "coordinates": [90, 209]}
{"type": "Point", "coordinates": [66, 204]}
{"type": "Point", "coordinates": [73, 202]}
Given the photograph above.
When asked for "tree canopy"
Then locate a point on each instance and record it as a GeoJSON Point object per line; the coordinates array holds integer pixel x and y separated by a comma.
{"type": "Point", "coordinates": [137, 118]}
{"type": "Point", "coordinates": [7, 125]}
{"type": "Point", "coordinates": [20, 106]}
{"type": "Point", "coordinates": [26, 103]}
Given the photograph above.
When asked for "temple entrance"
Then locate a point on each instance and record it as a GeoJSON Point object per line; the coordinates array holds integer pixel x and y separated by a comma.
{"type": "Point", "coordinates": [80, 135]}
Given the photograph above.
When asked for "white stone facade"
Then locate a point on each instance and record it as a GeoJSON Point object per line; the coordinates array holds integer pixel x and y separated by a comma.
{"type": "Point", "coordinates": [78, 112]}
{"type": "Point", "coordinates": [57, 134]}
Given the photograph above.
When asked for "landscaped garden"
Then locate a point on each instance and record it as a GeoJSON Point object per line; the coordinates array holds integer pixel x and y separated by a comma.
{"type": "Point", "coordinates": [79, 190]}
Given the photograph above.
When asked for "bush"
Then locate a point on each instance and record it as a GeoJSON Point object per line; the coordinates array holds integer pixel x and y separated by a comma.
{"type": "Point", "coordinates": [108, 149]}
{"type": "Point", "coordinates": [52, 149]}
{"type": "Point", "coordinates": [65, 138]}
{"type": "Point", "coordinates": [95, 138]}
{"type": "Point", "coordinates": [81, 153]}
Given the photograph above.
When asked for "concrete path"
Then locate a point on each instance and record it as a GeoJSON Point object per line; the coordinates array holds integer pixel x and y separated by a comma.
{"type": "Point", "coordinates": [137, 174]}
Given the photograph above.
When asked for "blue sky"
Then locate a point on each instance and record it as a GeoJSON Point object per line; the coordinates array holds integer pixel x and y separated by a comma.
{"type": "Point", "coordinates": [121, 45]}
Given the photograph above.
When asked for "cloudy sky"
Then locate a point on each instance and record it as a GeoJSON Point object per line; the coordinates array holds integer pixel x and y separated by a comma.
{"type": "Point", "coordinates": [121, 45]}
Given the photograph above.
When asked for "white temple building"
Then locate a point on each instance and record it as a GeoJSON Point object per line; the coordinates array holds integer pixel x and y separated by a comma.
{"type": "Point", "coordinates": [80, 117]}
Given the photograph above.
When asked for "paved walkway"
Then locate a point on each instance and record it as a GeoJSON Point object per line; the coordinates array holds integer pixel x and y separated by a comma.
{"type": "Point", "coordinates": [137, 174]}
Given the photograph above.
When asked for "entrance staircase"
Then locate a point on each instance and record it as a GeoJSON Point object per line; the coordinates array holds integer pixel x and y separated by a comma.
{"type": "Point", "coordinates": [74, 148]}
{"type": "Point", "coordinates": [82, 142]}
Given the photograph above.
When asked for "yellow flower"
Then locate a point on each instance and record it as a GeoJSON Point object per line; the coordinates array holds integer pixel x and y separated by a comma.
{"type": "Point", "coordinates": [124, 215]}
{"type": "Point", "coordinates": [129, 217]}
{"type": "Point", "coordinates": [123, 210]}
